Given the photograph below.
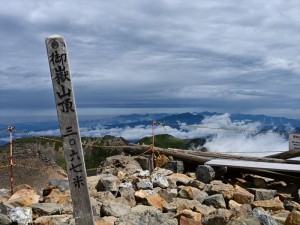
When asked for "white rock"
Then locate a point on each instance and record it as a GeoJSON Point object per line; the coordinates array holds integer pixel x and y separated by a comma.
{"type": "Point", "coordinates": [22, 216]}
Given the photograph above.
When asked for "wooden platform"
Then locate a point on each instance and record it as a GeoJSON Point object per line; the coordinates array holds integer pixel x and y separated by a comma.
{"type": "Point", "coordinates": [255, 165]}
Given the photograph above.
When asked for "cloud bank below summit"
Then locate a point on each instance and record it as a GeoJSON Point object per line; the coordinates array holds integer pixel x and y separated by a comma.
{"type": "Point", "coordinates": [250, 143]}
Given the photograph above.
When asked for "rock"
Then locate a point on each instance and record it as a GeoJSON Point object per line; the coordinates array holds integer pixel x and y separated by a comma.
{"type": "Point", "coordinates": [144, 173]}
{"type": "Point", "coordinates": [4, 195]}
{"type": "Point", "coordinates": [144, 184]}
{"type": "Point", "coordinates": [155, 201]}
{"type": "Point", "coordinates": [192, 193]}
{"type": "Point", "coordinates": [263, 217]}
{"type": "Point", "coordinates": [259, 181]}
{"type": "Point", "coordinates": [197, 184]}
{"type": "Point", "coordinates": [160, 182]}
{"type": "Point", "coordinates": [110, 208]}
{"type": "Point", "coordinates": [179, 203]}
{"type": "Point", "coordinates": [176, 166]}
{"type": "Point", "coordinates": [108, 220]}
{"type": "Point", "coordinates": [142, 194]}
{"type": "Point", "coordinates": [96, 206]}
{"type": "Point", "coordinates": [245, 220]}
{"type": "Point", "coordinates": [204, 209]}
{"type": "Point", "coordinates": [108, 182]}
{"type": "Point", "coordinates": [161, 172]}
{"type": "Point", "coordinates": [55, 220]}
{"type": "Point", "coordinates": [291, 205]}
{"type": "Point", "coordinates": [22, 216]}
{"type": "Point", "coordinates": [227, 190]}
{"type": "Point", "coordinates": [216, 200]}
{"type": "Point", "coordinates": [46, 209]}
{"type": "Point", "coordinates": [126, 184]}
{"type": "Point", "coordinates": [188, 217]}
{"type": "Point", "coordinates": [24, 197]}
{"type": "Point", "coordinates": [143, 161]}
{"type": "Point", "coordinates": [168, 194]}
{"type": "Point", "coordinates": [92, 182]}
{"type": "Point", "coordinates": [273, 204]}
{"type": "Point", "coordinates": [56, 196]}
{"type": "Point", "coordinates": [234, 205]}
{"type": "Point", "coordinates": [242, 196]}
{"type": "Point", "coordinates": [205, 173]}
{"type": "Point", "coordinates": [128, 194]}
{"type": "Point", "coordinates": [293, 218]}
{"type": "Point", "coordinates": [262, 194]}
{"type": "Point", "coordinates": [218, 217]}
{"type": "Point", "coordinates": [5, 220]}
{"type": "Point", "coordinates": [61, 184]}
{"type": "Point", "coordinates": [177, 179]}
{"type": "Point", "coordinates": [104, 196]}
{"type": "Point", "coordinates": [146, 215]}
{"type": "Point", "coordinates": [114, 164]}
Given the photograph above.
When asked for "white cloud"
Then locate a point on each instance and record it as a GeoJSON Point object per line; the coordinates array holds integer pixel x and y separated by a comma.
{"type": "Point", "coordinates": [241, 136]}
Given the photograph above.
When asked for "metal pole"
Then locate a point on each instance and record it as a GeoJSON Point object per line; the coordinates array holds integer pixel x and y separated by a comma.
{"type": "Point", "coordinates": [10, 128]}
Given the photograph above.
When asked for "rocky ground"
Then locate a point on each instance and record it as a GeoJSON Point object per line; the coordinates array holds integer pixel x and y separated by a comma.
{"type": "Point", "coordinates": [125, 193]}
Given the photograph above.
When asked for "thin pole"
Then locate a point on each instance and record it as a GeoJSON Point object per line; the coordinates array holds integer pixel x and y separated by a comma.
{"type": "Point", "coordinates": [152, 147]}
{"type": "Point", "coordinates": [10, 128]}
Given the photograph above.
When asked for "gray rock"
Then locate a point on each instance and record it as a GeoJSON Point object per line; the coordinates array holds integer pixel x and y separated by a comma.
{"type": "Point", "coordinates": [126, 185]}
{"type": "Point", "coordinates": [3, 208]}
{"type": "Point", "coordinates": [178, 202]}
{"type": "Point", "coordinates": [22, 216]}
{"type": "Point", "coordinates": [161, 172]}
{"type": "Point", "coordinates": [291, 205]}
{"type": "Point", "coordinates": [116, 209]}
{"type": "Point", "coordinates": [61, 184]}
{"type": "Point", "coordinates": [96, 206]}
{"type": "Point", "coordinates": [143, 161]}
{"type": "Point", "coordinates": [5, 220]}
{"type": "Point", "coordinates": [144, 184]}
{"type": "Point", "coordinates": [205, 173]}
{"type": "Point", "coordinates": [128, 194]}
{"type": "Point", "coordinates": [263, 217]}
{"type": "Point", "coordinates": [216, 200]}
{"type": "Point", "coordinates": [108, 182]}
{"type": "Point", "coordinates": [142, 215]}
{"type": "Point", "coordinates": [168, 194]}
{"type": "Point", "coordinates": [244, 221]}
{"type": "Point", "coordinates": [176, 166]}
{"type": "Point", "coordinates": [45, 209]}
{"type": "Point", "coordinates": [160, 182]}
{"type": "Point", "coordinates": [114, 164]}
{"type": "Point", "coordinates": [144, 173]}
{"type": "Point", "coordinates": [262, 194]}
{"type": "Point", "coordinates": [218, 217]}
{"type": "Point", "coordinates": [199, 195]}
{"type": "Point", "coordinates": [104, 196]}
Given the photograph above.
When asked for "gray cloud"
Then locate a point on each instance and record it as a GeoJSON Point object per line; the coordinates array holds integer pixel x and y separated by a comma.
{"type": "Point", "coordinates": [210, 54]}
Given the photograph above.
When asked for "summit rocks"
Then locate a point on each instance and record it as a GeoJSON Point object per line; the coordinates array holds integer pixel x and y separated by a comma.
{"type": "Point", "coordinates": [123, 193]}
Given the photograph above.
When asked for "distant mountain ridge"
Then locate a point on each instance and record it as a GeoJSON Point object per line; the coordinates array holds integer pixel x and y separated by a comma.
{"type": "Point", "coordinates": [279, 124]}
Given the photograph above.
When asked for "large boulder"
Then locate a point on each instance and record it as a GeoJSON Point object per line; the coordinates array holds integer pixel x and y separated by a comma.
{"type": "Point", "coordinates": [114, 164]}
{"type": "Point", "coordinates": [141, 215]}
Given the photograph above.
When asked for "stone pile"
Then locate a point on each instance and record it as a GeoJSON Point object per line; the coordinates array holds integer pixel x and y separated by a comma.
{"type": "Point", "coordinates": [124, 193]}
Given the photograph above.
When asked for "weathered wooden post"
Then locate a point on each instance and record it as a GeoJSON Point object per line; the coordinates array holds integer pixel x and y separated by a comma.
{"type": "Point", "coordinates": [68, 121]}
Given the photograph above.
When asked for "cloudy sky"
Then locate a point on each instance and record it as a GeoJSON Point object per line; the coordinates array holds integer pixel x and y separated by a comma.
{"type": "Point", "coordinates": [142, 56]}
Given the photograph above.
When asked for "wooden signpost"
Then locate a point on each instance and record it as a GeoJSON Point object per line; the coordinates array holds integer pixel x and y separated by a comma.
{"type": "Point", "coordinates": [68, 121]}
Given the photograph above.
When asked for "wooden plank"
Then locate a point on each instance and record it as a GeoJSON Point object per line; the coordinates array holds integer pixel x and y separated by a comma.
{"type": "Point", "coordinates": [286, 155]}
{"type": "Point", "coordinates": [67, 116]}
{"type": "Point", "coordinates": [255, 165]}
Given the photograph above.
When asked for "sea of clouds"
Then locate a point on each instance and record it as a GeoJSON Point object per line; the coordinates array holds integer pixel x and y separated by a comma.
{"type": "Point", "coordinates": [234, 136]}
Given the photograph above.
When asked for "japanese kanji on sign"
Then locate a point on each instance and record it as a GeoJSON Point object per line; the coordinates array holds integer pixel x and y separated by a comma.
{"type": "Point", "coordinates": [68, 121]}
